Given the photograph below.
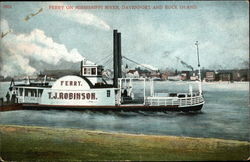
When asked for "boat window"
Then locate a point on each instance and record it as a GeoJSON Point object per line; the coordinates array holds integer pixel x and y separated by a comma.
{"type": "Point", "coordinates": [33, 93]}
{"type": "Point", "coordinates": [21, 91]}
{"type": "Point", "coordinates": [99, 71]}
{"type": "Point", "coordinates": [26, 92]}
{"type": "Point", "coordinates": [181, 95]}
{"type": "Point", "coordinates": [172, 94]}
{"type": "Point", "coordinates": [30, 92]}
{"type": "Point", "coordinates": [85, 70]}
{"type": "Point", "coordinates": [40, 91]}
{"type": "Point", "coordinates": [108, 93]}
{"type": "Point", "coordinates": [93, 71]}
{"type": "Point", "coordinates": [88, 71]}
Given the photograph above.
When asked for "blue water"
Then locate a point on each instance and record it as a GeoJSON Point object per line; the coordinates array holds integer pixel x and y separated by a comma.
{"type": "Point", "coordinates": [225, 115]}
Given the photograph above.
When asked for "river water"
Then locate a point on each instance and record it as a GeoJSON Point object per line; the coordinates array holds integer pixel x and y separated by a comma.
{"type": "Point", "coordinates": [225, 115]}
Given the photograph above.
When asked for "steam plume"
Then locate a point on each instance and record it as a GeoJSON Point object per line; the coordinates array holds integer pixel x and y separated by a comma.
{"type": "Point", "coordinates": [18, 49]}
{"type": "Point", "coordinates": [185, 64]}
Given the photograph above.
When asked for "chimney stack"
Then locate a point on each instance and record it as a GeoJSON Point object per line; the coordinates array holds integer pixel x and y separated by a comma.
{"type": "Point", "coordinates": [117, 58]}
{"type": "Point", "coordinates": [81, 68]}
{"type": "Point", "coordinates": [119, 61]}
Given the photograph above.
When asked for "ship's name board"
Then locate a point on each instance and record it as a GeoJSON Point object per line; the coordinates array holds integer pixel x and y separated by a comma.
{"type": "Point", "coordinates": [72, 96]}
{"type": "Point", "coordinates": [71, 83]}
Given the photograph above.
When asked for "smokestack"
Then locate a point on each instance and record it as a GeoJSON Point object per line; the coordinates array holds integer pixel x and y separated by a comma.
{"type": "Point", "coordinates": [81, 68]}
{"type": "Point", "coordinates": [115, 58]}
{"type": "Point", "coordinates": [119, 58]}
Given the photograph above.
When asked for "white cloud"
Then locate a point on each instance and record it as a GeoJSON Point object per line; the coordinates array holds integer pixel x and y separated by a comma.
{"type": "Point", "coordinates": [16, 64]}
{"type": "Point", "coordinates": [18, 49]}
{"type": "Point", "coordinates": [85, 18]}
{"type": "Point", "coordinates": [80, 16]}
{"type": "Point", "coordinates": [4, 25]}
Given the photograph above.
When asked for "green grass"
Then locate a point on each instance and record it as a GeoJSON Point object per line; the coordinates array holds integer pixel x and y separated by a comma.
{"type": "Point", "coordinates": [26, 143]}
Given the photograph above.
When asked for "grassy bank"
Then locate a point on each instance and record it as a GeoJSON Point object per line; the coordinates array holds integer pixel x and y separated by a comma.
{"type": "Point", "coordinates": [50, 144]}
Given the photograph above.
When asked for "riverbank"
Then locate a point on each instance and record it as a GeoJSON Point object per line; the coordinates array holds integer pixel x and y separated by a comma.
{"type": "Point", "coordinates": [29, 143]}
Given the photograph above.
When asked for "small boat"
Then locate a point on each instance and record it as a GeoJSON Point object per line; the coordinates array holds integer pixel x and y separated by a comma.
{"type": "Point", "coordinates": [89, 91]}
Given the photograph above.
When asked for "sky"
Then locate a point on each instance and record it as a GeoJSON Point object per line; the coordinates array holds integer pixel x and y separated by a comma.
{"type": "Point", "coordinates": [158, 37]}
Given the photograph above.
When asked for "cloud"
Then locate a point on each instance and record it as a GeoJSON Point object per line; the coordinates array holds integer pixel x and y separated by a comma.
{"type": "Point", "coordinates": [18, 49]}
{"type": "Point", "coordinates": [80, 16]}
{"type": "Point", "coordinates": [166, 53]}
{"type": "Point", "coordinates": [85, 18]}
{"type": "Point", "coordinates": [4, 25]}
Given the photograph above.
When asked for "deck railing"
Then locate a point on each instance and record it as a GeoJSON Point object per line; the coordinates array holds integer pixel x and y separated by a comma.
{"type": "Point", "coordinates": [164, 101]}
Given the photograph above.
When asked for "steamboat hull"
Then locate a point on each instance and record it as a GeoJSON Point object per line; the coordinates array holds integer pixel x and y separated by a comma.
{"type": "Point", "coordinates": [126, 108]}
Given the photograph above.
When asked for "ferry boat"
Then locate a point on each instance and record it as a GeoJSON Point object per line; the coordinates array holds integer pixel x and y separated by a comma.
{"type": "Point", "coordinates": [89, 91]}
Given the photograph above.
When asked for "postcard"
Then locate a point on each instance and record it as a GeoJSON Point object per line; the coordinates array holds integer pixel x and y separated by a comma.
{"type": "Point", "coordinates": [125, 80]}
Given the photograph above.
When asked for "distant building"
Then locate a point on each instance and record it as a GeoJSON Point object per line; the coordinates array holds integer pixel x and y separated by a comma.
{"type": "Point", "coordinates": [171, 73]}
{"type": "Point", "coordinates": [143, 73]}
{"type": "Point", "coordinates": [185, 75]}
{"type": "Point", "coordinates": [131, 71]}
{"type": "Point", "coordinates": [164, 76]}
{"type": "Point", "coordinates": [210, 76]}
{"type": "Point", "coordinates": [240, 75]}
{"type": "Point", "coordinates": [194, 77]}
{"type": "Point", "coordinates": [174, 78]}
{"type": "Point", "coordinates": [225, 76]}
{"type": "Point", "coordinates": [132, 74]}
{"type": "Point", "coordinates": [155, 74]}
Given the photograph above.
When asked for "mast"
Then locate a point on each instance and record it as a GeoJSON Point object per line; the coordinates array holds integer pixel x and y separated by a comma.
{"type": "Point", "coordinates": [199, 68]}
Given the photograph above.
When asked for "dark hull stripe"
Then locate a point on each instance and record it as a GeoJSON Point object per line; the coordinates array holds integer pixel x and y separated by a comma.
{"type": "Point", "coordinates": [11, 107]}
{"type": "Point", "coordinates": [113, 108]}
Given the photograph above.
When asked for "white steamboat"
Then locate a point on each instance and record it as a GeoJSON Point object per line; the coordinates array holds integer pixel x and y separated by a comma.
{"type": "Point", "coordinates": [89, 91]}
